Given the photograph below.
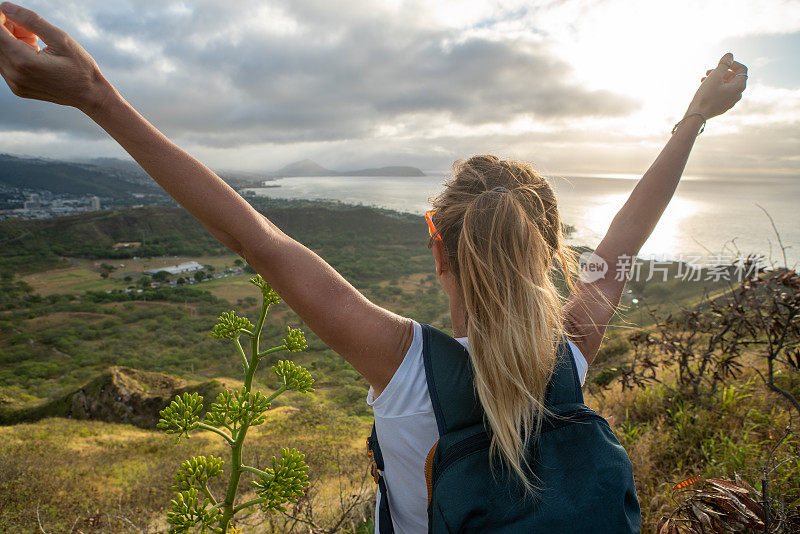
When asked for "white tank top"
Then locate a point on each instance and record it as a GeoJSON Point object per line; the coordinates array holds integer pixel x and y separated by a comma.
{"type": "Point", "coordinates": [406, 428]}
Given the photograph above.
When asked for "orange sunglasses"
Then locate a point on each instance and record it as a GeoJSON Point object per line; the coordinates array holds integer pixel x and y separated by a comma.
{"type": "Point", "coordinates": [431, 227]}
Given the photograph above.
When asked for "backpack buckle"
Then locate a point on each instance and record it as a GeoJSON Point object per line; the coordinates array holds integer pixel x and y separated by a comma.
{"type": "Point", "coordinates": [373, 468]}
{"type": "Point", "coordinates": [376, 475]}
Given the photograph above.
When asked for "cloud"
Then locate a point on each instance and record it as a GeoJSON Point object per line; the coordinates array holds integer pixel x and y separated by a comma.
{"type": "Point", "coordinates": [306, 71]}
{"type": "Point", "coordinates": [575, 85]}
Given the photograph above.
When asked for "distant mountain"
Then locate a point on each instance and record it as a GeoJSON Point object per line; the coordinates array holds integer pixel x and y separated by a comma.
{"type": "Point", "coordinates": [73, 178]}
{"type": "Point", "coordinates": [307, 167]}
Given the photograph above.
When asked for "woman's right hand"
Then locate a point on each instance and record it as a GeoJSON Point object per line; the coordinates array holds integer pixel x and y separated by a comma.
{"type": "Point", "coordinates": [63, 72]}
{"type": "Point", "coordinates": [720, 89]}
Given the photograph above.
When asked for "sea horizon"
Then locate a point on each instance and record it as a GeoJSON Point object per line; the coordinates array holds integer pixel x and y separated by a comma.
{"type": "Point", "coordinates": [713, 217]}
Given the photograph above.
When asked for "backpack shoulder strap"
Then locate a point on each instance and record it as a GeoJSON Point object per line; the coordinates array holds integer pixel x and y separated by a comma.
{"type": "Point", "coordinates": [565, 384]}
{"type": "Point", "coordinates": [450, 378]}
{"type": "Point", "coordinates": [448, 372]}
{"type": "Point", "coordinates": [384, 518]}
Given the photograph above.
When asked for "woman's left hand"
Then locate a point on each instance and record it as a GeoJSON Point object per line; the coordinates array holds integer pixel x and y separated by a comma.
{"type": "Point", "coordinates": [63, 72]}
{"type": "Point", "coordinates": [720, 89]}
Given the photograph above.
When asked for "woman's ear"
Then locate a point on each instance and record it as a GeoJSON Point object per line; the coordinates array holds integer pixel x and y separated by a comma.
{"type": "Point", "coordinates": [442, 265]}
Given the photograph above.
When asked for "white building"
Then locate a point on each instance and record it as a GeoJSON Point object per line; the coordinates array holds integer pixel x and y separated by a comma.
{"type": "Point", "coordinates": [94, 203]}
{"type": "Point", "coordinates": [34, 202]}
{"type": "Point", "coordinates": [185, 267]}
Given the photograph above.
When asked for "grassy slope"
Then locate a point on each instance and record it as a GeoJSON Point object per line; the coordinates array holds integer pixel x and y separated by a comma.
{"type": "Point", "coordinates": [118, 476]}
{"type": "Point", "coordinates": [48, 348]}
{"type": "Point", "coordinates": [670, 438]}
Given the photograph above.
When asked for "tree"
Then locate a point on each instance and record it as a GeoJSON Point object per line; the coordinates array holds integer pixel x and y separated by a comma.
{"type": "Point", "coordinates": [106, 270]}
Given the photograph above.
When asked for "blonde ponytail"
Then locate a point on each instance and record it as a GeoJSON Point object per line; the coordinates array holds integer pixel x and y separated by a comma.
{"type": "Point", "coordinates": [503, 236]}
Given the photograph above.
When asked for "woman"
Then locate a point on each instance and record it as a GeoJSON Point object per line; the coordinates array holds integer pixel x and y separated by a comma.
{"type": "Point", "coordinates": [495, 235]}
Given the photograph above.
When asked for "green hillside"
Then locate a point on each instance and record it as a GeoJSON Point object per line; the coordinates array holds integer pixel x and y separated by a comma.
{"type": "Point", "coordinates": [346, 234]}
{"type": "Point", "coordinates": [77, 179]}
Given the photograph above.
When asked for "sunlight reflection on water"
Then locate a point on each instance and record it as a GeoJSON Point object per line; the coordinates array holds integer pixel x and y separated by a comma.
{"type": "Point", "coordinates": [667, 236]}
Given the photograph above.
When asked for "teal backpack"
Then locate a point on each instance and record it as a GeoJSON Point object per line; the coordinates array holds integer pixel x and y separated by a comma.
{"type": "Point", "coordinates": [584, 475]}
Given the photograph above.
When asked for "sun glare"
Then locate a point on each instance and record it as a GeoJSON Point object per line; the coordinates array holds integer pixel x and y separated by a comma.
{"type": "Point", "coordinates": [666, 236]}
{"type": "Point", "coordinates": [633, 49]}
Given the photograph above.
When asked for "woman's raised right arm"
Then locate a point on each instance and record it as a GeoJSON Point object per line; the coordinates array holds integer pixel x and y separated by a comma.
{"type": "Point", "coordinates": [371, 338]}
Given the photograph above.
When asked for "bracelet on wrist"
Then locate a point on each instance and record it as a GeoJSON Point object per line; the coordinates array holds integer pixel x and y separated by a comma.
{"type": "Point", "coordinates": [702, 127]}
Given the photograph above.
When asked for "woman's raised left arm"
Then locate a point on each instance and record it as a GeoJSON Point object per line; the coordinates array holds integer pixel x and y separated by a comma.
{"type": "Point", "coordinates": [594, 302]}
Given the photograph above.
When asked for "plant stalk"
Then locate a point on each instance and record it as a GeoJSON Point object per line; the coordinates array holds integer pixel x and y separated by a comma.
{"type": "Point", "coordinates": [228, 509]}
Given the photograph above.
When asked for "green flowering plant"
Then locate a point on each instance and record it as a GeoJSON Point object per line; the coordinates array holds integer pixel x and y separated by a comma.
{"type": "Point", "coordinates": [230, 416]}
{"type": "Point", "coordinates": [181, 415]}
{"type": "Point", "coordinates": [282, 482]}
{"type": "Point", "coordinates": [231, 326]}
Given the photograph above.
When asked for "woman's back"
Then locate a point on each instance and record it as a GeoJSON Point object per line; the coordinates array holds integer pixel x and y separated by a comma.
{"type": "Point", "coordinates": [406, 427]}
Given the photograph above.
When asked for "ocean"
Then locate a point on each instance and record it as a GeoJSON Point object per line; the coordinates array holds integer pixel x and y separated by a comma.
{"type": "Point", "coordinates": [711, 218]}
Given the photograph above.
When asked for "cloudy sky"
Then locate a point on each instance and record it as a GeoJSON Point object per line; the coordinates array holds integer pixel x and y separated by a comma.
{"type": "Point", "coordinates": [576, 87]}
